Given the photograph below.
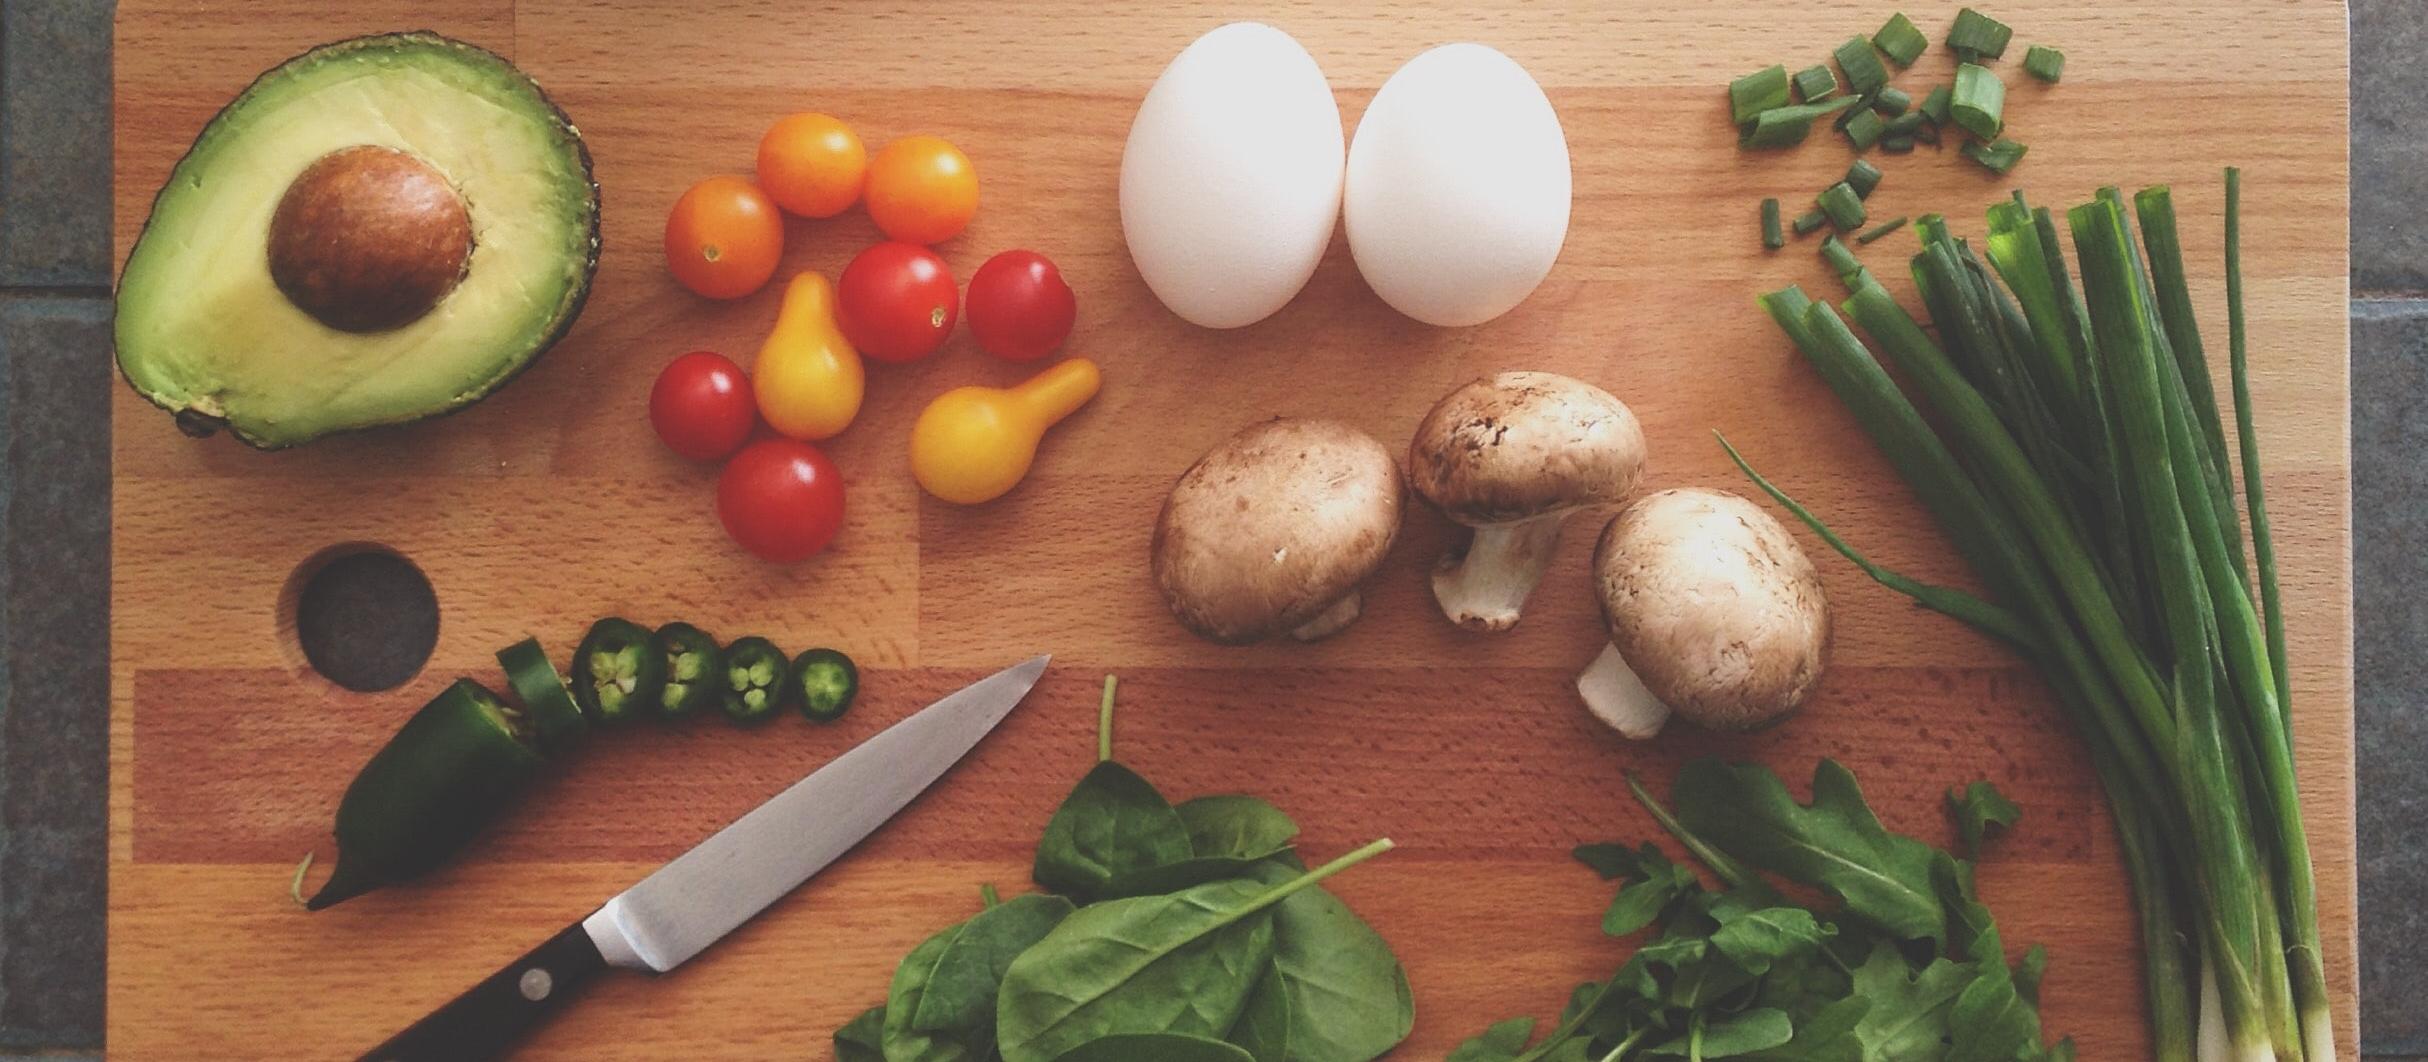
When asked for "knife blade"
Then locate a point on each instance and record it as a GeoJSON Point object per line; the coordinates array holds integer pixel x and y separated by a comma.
{"type": "Point", "coordinates": [693, 901]}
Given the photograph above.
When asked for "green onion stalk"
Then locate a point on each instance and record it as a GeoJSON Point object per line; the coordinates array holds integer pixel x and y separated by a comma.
{"type": "Point", "coordinates": [2074, 452]}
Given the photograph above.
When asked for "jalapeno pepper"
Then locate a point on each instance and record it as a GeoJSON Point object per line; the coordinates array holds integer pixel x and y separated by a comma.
{"type": "Point", "coordinates": [755, 680]}
{"type": "Point", "coordinates": [446, 773]}
{"type": "Point", "coordinates": [693, 668]}
{"type": "Point", "coordinates": [547, 705]}
{"type": "Point", "coordinates": [824, 681]}
{"type": "Point", "coordinates": [616, 672]}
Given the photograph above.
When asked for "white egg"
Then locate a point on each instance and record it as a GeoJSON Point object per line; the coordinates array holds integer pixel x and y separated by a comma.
{"type": "Point", "coordinates": [1458, 187]}
{"type": "Point", "coordinates": [1231, 179]}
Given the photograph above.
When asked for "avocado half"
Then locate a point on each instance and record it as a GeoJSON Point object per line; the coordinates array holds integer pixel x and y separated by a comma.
{"type": "Point", "coordinates": [378, 230]}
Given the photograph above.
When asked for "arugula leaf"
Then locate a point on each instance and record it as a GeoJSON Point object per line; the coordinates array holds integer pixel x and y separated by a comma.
{"type": "Point", "coordinates": [1756, 939]}
{"type": "Point", "coordinates": [1990, 1021]}
{"type": "Point", "coordinates": [1733, 1036]}
{"type": "Point", "coordinates": [1835, 843]}
{"type": "Point", "coordinates": [1162, 1047]}
{"type": "Point", "coordinates": [1113, 823]}
{"type": "Point", "coordinates": [1653, 881]}
{"type": "Point", "coordinates": [1981, 812]}
{"type": "Point", "coordinates": [2028, 972]}
{"type": "Point", "coordinates": [1908, 1016]}
{"type": "Point", "coordinates": [863, 1038]}
{"type": "Point", "coordinates": [1503, 1042]}
{"type": "Point", "coordinates": [1828, 1035]}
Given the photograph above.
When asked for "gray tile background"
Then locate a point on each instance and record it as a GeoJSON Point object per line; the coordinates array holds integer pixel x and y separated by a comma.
{"type": "Point", "coordinates": [55, 385]}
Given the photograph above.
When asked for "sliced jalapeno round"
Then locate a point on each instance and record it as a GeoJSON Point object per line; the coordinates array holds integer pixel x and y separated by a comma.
{"type": "Point", "coordinates": [693, 667]}
{"type": "Point", "coordinates": [755, 674]}
{"type": "Point", "coordinates": [616, 673]}
{"type": "Point", "coordinates": [548, 706]}
{"type": "Point", "coordinates": [824, 681]}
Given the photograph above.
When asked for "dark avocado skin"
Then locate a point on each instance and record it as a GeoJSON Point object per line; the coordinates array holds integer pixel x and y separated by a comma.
{"type": "Point", "coordinates": [199, 425]}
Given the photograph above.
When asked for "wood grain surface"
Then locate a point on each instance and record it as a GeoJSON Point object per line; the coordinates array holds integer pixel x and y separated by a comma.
{"type": "Point", "coordinates": [551, 504]}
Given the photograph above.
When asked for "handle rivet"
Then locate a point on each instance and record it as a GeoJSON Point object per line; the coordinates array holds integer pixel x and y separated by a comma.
{"type": "Point", "coordinates": [536, 984]}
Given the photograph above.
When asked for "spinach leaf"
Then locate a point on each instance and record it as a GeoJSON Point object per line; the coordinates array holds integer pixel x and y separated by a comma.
{"type": "Point", "coordinates": [1981, 812]}
{"type": "Point", "coordinates": [903, 1043]}
{"type": "Point", "coordinates": [1340, 995]}
{"type": "Point", "coordinates": [1113, 823]}
{"type": "Point", "coordinates": [1183, 963]}
{"type": "Point", "coordinates": [1173, 877]}
{"type": "Point", "coordinates": [863, 1038]}
{"type": "Point", "coordinates": [959, 996]}
{"type": "Point", "coordinates": [1835, 843]}
{"type": "Point", "coordinates": [1501, 1043]}
{"type": "Point", "coordinates": [1242, 827]}
{"type": "Point", "coordinates": [1154, 1047]}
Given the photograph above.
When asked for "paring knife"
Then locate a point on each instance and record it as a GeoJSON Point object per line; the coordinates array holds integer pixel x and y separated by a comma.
{"type": "Point", "coordinates": [688, 904]}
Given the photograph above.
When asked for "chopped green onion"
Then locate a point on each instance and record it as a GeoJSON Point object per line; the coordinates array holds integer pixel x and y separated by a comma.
{"type": "Point", "coordinates": [1885, 228]}
{"type": "Point", "coordinates": [1892, 101]}
{"type": "Point", "coordinates": [1935, 105]}
{"type": "Point", "coordinates": [1810, 222]}
{"type": "Point", "coordinates": [1784, 126]}
{"type": "Point", "coordinates": [1907, 124]}
{"type": "Point", "coordinates": [1978, 36]}
{"type": "Point", "coordinates": [1773, 236]}
{"type": "Point", "coordinates": [1863, 103]}
{"type": "Point", "coordinates": [2044, 62]}
{"type": "Point", "coordinates": [1816, 83]}
{"type": "Point", "coordinates": [1979, 102]}
{"type": "Point", "coordinates": [1866, 129]}
{"type": "Point", "coordinates": [1928, 134]}
{"type": "Point", "coordinates": [1844, 207]}
{"type": "Point", "coordinates": [1841, 258]}
{"type": "Point", "coordinates": [1897, 143]}
{"type": "Point", "coordinates": [1863, 177]}
{"type": "Point", "coordinates": [1757, 92]}
{"type": "Point", "coordinates": [1997, 157]}
{"type": "Point", "coordinates": [1864, 74]}
{"type": "Point", "coordinates": [1901, 40]}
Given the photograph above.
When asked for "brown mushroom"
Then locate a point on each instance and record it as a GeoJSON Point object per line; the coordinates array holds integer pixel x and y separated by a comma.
{"type": "Point", "coordinates": [1272, 530]}
{"type": "Point", "coordinates": [1714, 612]}
{"type": "Point", "coordinates": [1512, 456]}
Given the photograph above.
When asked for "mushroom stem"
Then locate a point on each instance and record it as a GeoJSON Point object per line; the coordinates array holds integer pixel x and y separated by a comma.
{"type": "Point", "coordinates": [1616, 696]}
{"type": "Point", "coordinates": [1485, 589]}
{"type": "Point", "coordinates": [1329, 622]}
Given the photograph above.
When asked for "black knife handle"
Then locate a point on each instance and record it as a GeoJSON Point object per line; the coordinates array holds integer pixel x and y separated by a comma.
{"type": "Point", "coordinates": [489, 1017]}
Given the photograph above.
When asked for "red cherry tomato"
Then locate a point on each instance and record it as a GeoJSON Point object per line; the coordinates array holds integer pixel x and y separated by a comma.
{"type": "Point", "coordinates": [702, 407]}
{"type": "Point", "coordinates": [896, 302]}
{"type": "Point", "coordinates": [781, 499]}
{"type": "Point", "coordinates": [1020, 310]}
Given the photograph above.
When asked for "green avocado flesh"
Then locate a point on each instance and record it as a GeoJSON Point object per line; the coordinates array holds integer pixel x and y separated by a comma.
{"type": "Point", "coordinates": [204, 331]}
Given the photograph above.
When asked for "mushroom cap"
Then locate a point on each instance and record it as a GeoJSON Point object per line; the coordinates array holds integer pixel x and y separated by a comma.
{"type": "Point", "coordinates": [1519, 445]}
{"type": "Point", "coordinates": [1273, 526]}
{"type": "Point", "coordinates": [1713, 605]}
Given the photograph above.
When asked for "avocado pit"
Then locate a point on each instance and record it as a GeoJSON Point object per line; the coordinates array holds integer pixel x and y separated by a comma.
{"type": "Point", "coordinates": [369, 239]}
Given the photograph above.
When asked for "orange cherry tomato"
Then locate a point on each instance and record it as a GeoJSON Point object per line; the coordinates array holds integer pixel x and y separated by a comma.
{"type": "Point", "coordinates": [812, 165]}
{"type": "Point", "coordinates": [922, 190]}
{"type": "Point", "coordinates": [724, 237]}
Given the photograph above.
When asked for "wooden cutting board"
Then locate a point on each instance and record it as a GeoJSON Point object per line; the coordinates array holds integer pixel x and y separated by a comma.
{"type": "Point", "coordinates": [551, 504]}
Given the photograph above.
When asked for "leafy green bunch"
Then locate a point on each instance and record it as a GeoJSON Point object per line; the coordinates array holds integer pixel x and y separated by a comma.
{"type": "Point", "coordinates": [1173, 933]}
{"type": "Point", "coordinates": [1905, 966]}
